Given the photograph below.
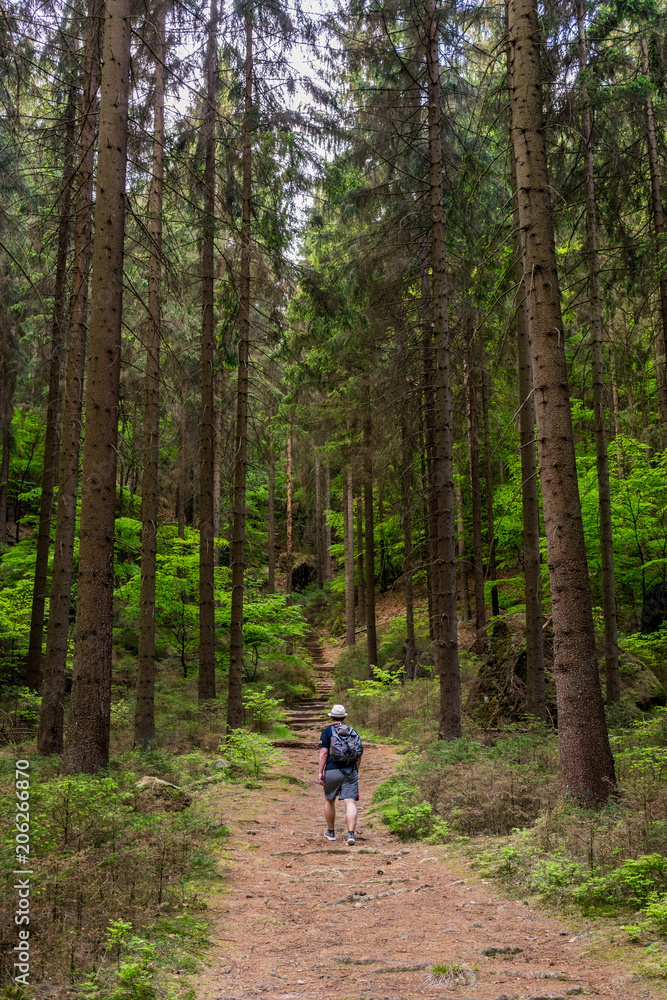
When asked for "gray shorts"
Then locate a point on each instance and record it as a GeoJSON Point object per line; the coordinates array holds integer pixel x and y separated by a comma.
{"type": "Point", "coordinates": [344, 783]}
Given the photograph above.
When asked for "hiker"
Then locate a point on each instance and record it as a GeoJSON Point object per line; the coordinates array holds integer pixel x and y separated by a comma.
{"type": "Point", "coordinates": [340, 752]}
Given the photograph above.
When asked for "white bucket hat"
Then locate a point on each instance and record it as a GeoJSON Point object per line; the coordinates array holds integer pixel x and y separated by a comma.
{"type": "Point", "coordinates": [338, 712]}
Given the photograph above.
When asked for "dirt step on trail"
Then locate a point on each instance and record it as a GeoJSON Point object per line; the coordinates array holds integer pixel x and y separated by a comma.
{"type": "Point", "coordinates": [300, 918]}
{"type": "Point", "coordinates": [310, 715]}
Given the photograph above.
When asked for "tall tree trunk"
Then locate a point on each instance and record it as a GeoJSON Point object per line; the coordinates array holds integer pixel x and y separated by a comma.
{"type": "Point", "coordinates": [288, 545]}
{"type": "Point", "coordinates": [446, 642]}
{"type": "Point", "coordinates": [87, 740]}
{"type": "Point", "coordinates": [348, 541]}
{"type": "Point", "coordinates": [473, 452]}
{"type": "Point", "coordinates": [272, 516]}
{"type": "Point", "coordinates": [234, 706]}
{"type": "Point", "coordinates": [144, 715]}
{"type": "Point", "coordinates": [605, 529]}
{"type": "Point", "coordinates": [182, 466]}
{"type": "Point", "coordinates": [371, 634]}
{"type": "Point", "coordinates": [659, 229]}
{"type": "Point", "coordinates": [319, 527]}
{"type": "Point", "coordinates": [206, 688]}
{"type": "Point", "coordinates": [50, 736]}
{"type": "Point", "coordinates": [463, 559]}
{"type": "Point", "coordinates": [431, 512]}
{"type": "Point", "coordinates": [4, 484]}
{"type": "Point", "coordinates": [51, 443]}
{"type": "Point", "coordinates": [535, 679]}
{"type": "Point", "coordinates": [587, 766]}
{"type": "Point", "coordinates": [383, 544]}
{"type": "Point", "coordinates": [361, 581]}
{"type": "Point", "coordinates": [328, 564]}
{"type": "Point", "coordinates": [406, 503]}
{"type": "Point", "coordinates": [491, 534]}
{"type": "Point", "coordinates": [217, 462]}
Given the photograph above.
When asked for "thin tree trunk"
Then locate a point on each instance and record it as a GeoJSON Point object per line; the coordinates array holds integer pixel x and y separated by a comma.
{"type": "Point", "coordinates": [446, 642]}
{"type": "Point", "coordinates": [217, 464]}
{"type": "Point", "coordinates": [406, 502]}
{"type": "Point", "coordinates": [319, 533]}
{"type": "Point", "coordinates": [272, 516]}
{"type": "Point", "coordinates": [361, 583]}
{"type": "Point", "coordinates": [348, 541]}
{"type": "Point", "coordinates": [182, 468]}
{"type": "Point", "coordinates": [659, 229]}
{"type": "Point", "coordinates": [535, 679]}
{"type": "Point", "coordinates": [234, 706]}
{"type": "Point", "coordinates": [605, 529]}
{"type": "Point", "coordinates": [371, 635]}
{"type": "Point", "coordinates": [4, 484]}
{"type": "Point", "coordinates": [587, 766]}
{"type": "Point", "coordinates": [50, 736]}
{"type": "Point", "coordinates": [144, 715]}
{"type": "Point", "coordinates": [206, 687]}
{"type": "Point", "coordinates": [87, 741]}
{"type": "Point", "coordinates": [463, 559]}
{"type": "Point", "coordinates": [328, 563]}
{"type": "Point", "coordinates": [33, 674]}
{"type": "Point", "coordinates": [288, 545]}
{"type": "Point", "coordinates": [490, 528]}
{"type": "Point", "coordinates": [473, 452]}
{"type": "Point", "coordinates": [383, 544]}
{"type": "Point", "coordinates": [431, 512]}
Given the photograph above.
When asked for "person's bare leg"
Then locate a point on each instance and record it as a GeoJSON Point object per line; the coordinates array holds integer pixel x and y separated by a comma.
{"type": "Point", "coordinates": [351, 810]}
{"type": "Point", "coordinates": [330, 813]}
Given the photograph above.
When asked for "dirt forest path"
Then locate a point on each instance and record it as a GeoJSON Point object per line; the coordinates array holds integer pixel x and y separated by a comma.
{"type": "Point", "coordinates": [300, 918]}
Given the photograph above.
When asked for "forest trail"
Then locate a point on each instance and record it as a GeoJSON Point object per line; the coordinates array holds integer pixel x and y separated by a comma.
{"type": "Point", "coordinates": [300, 918]}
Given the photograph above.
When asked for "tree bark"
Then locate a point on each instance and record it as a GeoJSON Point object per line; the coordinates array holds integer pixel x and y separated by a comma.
{"type": "Point", "coordinates": [431, 511]}
{"type": "Point", "coordinates": [473, 452]}
{"type": "Point", "coordinates": [406, 502]}
{"type": "Point", "coordinates": [361, 584]}
{"type": "Point", "coordinates": [234, 706]}
{"type": "Point", "coordinates": [535, 679]}
{"type": "Point", "coordinates": [217, 460]}
{"type": "Point", "coordinates": [463, 559]}
{"type": "Point", "coordinates": [587, 766]}
{"type": "Point", "coordinates": [371, 634]}
{"type": "Point", "coordinates": [605, 529]}
{"type": "Point", "coordinates": [348, 540]}
{"type": "Point", "coordinates": [446, 643]}
{"type": "Point", "coordinates": [4, 484]}
{"type": "Point", "coordinates": [206, 687]}
{"type": "Point", "coordinates": [272, 516]}
{"type": "Point", "coordinates": [319, 535]}
{"type": "Point", "coordinates": [490, 528]}
{"type": "Point", "coordinates": [288, 544]}
{"type": "Point", "coordinates": [328, 566]}
{"type": "Point", "coordinates": [144, 715]}
{"type": "Point", "coordinates": [87, 741]}
{"type": "Point", "coordinates": [659, 229]}
{"type": "Point", "coordinates": [50, 736]}
{"type": "Point", "coordinates": [33, 674]}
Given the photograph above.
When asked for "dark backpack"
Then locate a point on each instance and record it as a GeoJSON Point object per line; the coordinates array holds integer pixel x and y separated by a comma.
{"type": "Point", "coordinates": [345, 747]}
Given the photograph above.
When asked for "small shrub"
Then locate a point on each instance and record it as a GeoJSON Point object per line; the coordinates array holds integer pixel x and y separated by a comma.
{"type": "Point", "coordinates": [261, 710]}
{"type": "Point", "coordinates": [251, 753]}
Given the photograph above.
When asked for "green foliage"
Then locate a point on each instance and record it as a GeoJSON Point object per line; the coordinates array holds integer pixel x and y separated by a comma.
{"type": "Point", "coordinates": [251, 753]}
{"type": "Point", "coordinates": [383, 681]}
{"type": "Point", "coordinates": [261, 710]}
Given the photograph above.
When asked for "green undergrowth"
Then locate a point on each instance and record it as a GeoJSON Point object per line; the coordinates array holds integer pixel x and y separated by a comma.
{"type": "Point", "coordinates": [121, 868]}
{"type": "Point", "coordinates": [501, 804]}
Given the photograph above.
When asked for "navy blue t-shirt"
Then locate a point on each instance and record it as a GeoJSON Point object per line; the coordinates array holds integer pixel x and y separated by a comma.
{"type": "Point", "coordinates": [325, 741]}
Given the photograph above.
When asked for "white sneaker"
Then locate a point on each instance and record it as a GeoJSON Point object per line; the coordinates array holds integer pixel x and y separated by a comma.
{"type": "Point", "coordinates": [329, 834]}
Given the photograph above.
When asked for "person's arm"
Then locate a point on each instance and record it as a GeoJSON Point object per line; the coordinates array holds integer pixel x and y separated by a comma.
{"type": "Point", "coordinates": [324, 753]}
